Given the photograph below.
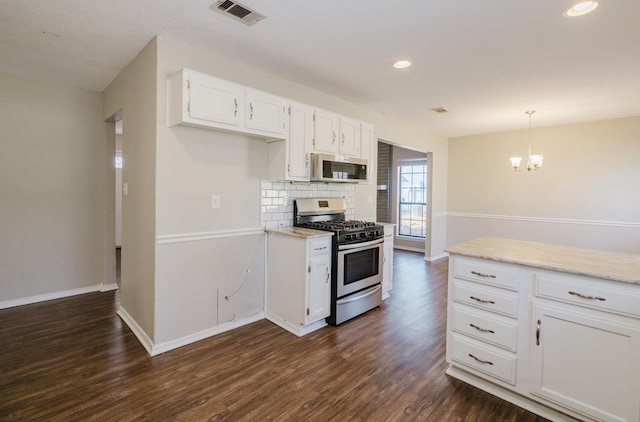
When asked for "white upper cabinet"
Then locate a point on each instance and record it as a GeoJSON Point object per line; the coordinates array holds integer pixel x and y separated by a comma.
{"type": "Point", "coordinates": [369, 151]}
{"type": "Point", "coordinates": [214, 100]}
{"type": "Point", "coordinates": [350, 137]}
{"type": "Point", "coordinates": [197, 99]}
{"type": "Point", "coordinates": [335, 134]}
{"type": "Point", "coordinates": [300, 140]}
{"type": "Point", "coordinates": [294, 130]}
{"type": "Point", "coordinates": [265, 112]}
{"type": "Point", "coordinates": [325, 134]}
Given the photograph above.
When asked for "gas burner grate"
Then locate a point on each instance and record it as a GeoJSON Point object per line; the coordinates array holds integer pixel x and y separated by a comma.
{"type": "Point", "coordinates": [340, 225]}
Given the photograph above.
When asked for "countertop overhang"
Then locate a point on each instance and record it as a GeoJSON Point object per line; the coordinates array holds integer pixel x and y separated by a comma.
{"type": "Point", "coordinates": [299, 232]}
{"type": "Point", "coordinates": [615, 266]}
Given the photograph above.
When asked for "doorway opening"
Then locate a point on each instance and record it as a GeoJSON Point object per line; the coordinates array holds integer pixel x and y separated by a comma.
{"type": "Point", "coordinates": [404, 195]}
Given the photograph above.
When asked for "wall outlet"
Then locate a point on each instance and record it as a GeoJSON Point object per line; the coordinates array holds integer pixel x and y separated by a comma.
{"type": "Point", "coordinates": [215, 202]}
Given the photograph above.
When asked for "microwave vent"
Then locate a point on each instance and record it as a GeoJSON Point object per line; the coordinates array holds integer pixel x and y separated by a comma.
{"type": "Point", "coordinates": [237, 11]}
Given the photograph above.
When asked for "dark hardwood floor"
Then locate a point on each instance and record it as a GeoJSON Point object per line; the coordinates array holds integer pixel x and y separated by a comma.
{"type": "Point", "coordinates": [74, 360]}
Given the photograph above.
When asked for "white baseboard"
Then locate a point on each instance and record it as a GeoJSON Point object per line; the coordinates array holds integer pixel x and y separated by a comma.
{"type": "Point", "coordinates": [294, 329]}
{"type": "Point", "coordinates": [137, 330]}
{"type": "Point", "coordinates": [109, 287]}
{"type": "Point", "coordinates": [435, 258]}
{"type": "Point", "coordinates": [407, 248]}
{"type": "Point", "coordinates": [49, 296]}
{"type": "Point", "coordinates": [201, 335]}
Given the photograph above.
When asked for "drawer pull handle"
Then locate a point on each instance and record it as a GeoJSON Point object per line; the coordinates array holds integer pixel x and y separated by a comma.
{"type": "Point", "coordinates": [484, 330]}
{"type": "Point", "coordinates": [483, 274]}
{"type": "Point", "coordinates": [586, 296]}
{"type": "Point", "coordinates": [482, 300]}
{"type": "Point", "coordinates": [538, 333]}
{"type": "Point", "coordinates": [480, 360]}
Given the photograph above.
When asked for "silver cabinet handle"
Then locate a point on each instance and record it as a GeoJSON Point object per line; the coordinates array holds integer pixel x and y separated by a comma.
{"type": "Point", "coordinates": [306, 162]}
{"type": "Point", "coordinates": [482, 300]}
{"type": "Point", "coordinates": [250, 111]}
{"type": "Point", "coordinates": [538, 332]}
{"type": "Point", "coordinates": [342, 138]}
{"type": "Point", "coordinates": [587, 296]}
{"type": "Point", "coordinates": [480, 360]}
{"type": "Point", "coordinates": [235, 109]}
{"type": "Point", "coordinates": [334, 137]}
{"type": "Point", "coordinates": [484, 330]}
{"type": "Point", "coordinates": [483, 275]}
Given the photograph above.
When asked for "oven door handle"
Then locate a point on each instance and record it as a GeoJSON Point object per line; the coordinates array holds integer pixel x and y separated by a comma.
{"type": "Point", "coordinates": [360, 245]}
{"type": "Point", "coordinates": [356, 296]}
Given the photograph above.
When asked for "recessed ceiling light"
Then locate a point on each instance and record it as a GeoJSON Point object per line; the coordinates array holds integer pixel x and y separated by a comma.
{"type": "Point", "coordinates": [581, 8]}
{"type": "Point", "coordinates": [402, 64]}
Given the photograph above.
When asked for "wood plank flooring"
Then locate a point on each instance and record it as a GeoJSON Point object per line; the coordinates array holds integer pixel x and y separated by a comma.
{"type": "Point", "coordinates": [74, 360]}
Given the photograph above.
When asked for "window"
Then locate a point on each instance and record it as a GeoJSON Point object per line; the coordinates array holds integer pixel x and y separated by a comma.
{"type": "Point", "coordinates": [412, 201]}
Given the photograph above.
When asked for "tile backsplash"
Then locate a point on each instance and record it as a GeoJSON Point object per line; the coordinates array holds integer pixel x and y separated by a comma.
{"type": "Point", "coordinates": [277, 199]}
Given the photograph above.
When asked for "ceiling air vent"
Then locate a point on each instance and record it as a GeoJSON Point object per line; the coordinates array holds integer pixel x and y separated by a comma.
{"type": "Point", "coordinates": [237, 11]}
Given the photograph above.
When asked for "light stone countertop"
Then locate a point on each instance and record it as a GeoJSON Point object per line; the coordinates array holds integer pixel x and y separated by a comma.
{"type": "Point", "coordinates": [299, 232]}
{"type": "Point", "coordinates": [616, 266]}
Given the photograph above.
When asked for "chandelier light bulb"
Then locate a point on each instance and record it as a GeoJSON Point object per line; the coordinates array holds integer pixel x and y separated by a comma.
{"type": "Point", "coordinates": [534, 162]}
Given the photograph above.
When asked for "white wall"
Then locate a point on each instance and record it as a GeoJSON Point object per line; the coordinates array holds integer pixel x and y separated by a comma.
{"type": "Point", "coordinates": [134, 92]}
{"type": "Point", "coordinates": [586, 193]}
{"type": "Point", "coordinates": [51, 190]}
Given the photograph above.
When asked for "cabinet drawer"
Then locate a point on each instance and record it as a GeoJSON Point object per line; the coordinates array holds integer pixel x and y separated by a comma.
{"type": "Point", "coordinates": [487, 272]}
{"type": "Point", "coordinates": [493, 300]}
{"type": "Point", "coordinates": [320, 246]}
{"type": "Point", "coordinates": [481, 358]}
{"type": "Point", "coordinates": [480, 325]}
{"type": "Point", "coordinates": [607, 296]}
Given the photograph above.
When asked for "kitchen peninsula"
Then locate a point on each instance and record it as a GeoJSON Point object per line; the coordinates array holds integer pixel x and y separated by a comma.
{"type": "Point", "coordinates": [553, 329]}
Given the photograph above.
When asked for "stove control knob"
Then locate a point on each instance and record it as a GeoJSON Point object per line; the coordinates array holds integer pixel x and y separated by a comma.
{"type": "Point", "coordinates": [363, 235]}
{"type": "Point", "coordinates": [347, 237]}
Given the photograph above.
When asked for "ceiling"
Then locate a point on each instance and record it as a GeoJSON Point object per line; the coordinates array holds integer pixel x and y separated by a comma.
{"type": "Point", "coordinates": [487, 62]}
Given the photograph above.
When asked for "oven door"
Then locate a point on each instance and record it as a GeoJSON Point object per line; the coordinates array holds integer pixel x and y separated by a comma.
{"type": "Point", "coordinates": [359, 266]}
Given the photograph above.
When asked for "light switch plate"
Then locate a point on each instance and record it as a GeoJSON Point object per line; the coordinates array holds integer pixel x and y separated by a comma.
{"type": "Point", "coordinates": [215, 202]}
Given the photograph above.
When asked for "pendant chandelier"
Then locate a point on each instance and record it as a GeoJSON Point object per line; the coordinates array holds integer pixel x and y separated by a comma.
{"type": "Point", "coordinates": [534, 162]}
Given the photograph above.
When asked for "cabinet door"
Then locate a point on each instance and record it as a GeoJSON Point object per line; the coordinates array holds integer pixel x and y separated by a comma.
{"type": "Point", "coordinates": [349, 137]}
{"type": "Point", "coordinates": [369, 151]}
{"type": "Point", "coordinates": [299, 142]}
{"type": "Point", "coordinates": [214, 100]}
{"type": "Point", "coordinates": [586, 363]}
{"type": "Point", "coordinates": [265, 112]}
{"type": "Point", "coordinates": [318, 288]}
{"type": "Point", "coordinates": [325, 134]}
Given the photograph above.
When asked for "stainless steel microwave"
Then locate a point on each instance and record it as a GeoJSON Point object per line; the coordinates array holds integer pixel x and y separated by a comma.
{"type": "Point", "coordinates": [337, 168]}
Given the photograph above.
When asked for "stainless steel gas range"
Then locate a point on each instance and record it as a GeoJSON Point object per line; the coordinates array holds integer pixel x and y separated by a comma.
{"type": "Point", "coordinates": [356, 264]}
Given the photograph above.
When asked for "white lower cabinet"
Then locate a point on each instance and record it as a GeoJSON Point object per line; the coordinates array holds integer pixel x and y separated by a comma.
{"type": "Point", "coordinates": [566, 347]}
{"type": "Point", "coordinates": [298, 281]}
